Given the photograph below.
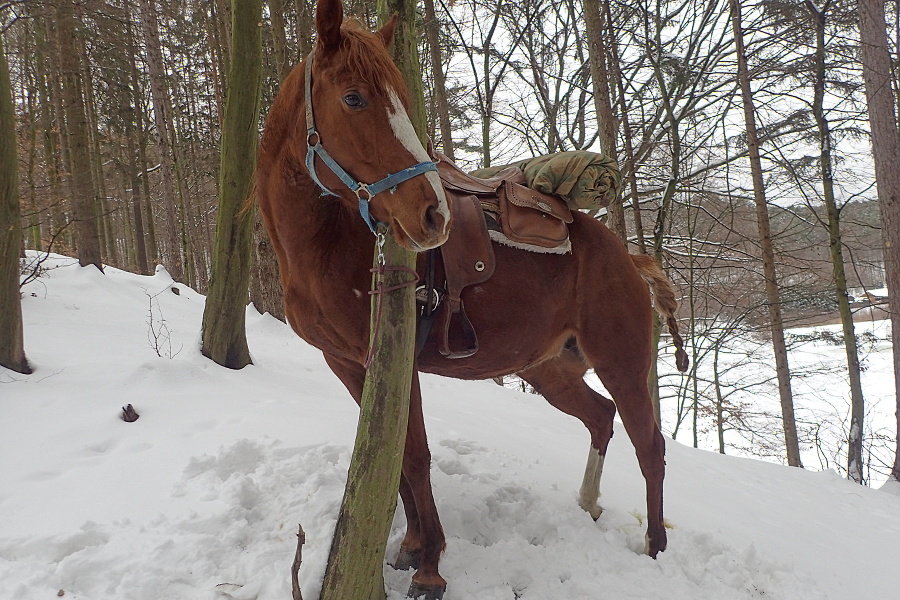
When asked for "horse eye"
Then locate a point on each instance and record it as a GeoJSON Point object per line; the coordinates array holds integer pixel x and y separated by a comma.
{"type": "Point", "coordinates": [354, 100]}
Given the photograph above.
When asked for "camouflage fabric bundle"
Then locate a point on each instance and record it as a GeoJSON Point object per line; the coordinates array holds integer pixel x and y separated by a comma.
{"type": "Point", "coordinates": [585, 180]}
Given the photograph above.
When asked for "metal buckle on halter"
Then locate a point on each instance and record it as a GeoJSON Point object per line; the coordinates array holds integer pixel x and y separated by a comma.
{"type": "Point", "coordinates": [309, 138]}
{"type": "Point", "coordinates": [363, 189]}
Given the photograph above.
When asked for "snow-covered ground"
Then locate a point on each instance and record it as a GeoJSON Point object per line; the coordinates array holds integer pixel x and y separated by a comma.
{"type": "Point", "coordinates": [201, 497]}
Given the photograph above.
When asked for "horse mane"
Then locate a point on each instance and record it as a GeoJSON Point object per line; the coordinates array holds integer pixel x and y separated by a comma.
{"type": "Point", "coordinates": [364, 54]}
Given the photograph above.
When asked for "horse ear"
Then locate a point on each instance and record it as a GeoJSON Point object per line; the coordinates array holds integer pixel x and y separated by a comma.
{"type": "Point", "coordinates": [329, 16]}
{"type": "Point", "coordinates": [386, 33]}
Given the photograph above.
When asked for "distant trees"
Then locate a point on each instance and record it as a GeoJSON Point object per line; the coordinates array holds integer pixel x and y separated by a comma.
{"type": "Point", "coordinates": [120, 109]}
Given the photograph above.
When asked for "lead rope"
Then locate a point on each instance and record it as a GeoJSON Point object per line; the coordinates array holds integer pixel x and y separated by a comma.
{"type": "Point", "coordinates": [378, 287]}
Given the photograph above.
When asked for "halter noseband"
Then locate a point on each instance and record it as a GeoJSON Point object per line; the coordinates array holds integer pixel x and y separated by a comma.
{"type": "Point", "coordinates": [364, 191]}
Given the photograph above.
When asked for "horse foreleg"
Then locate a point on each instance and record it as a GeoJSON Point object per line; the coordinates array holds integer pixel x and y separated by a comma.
{"type": "Point", "coordinates": [560, 381]}
{"type": "Point", "coordinates": [427, 582]}
{"type": "Point", "coordinates": [411, 546]}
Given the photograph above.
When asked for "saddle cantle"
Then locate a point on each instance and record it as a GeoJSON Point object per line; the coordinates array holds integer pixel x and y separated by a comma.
{"type": "Point", "coordinates": [500, 209]}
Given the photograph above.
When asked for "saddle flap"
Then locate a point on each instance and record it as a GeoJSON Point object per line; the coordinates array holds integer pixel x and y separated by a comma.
{"type": "Point", "coordinates": [530, 217]}
{"type": "Point", "coordinates": [468, 258]}
{"type": "Point", "coordinates": [467, 253]}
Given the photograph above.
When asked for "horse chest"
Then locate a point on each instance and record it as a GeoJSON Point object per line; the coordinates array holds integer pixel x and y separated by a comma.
{"type": "Point", "coordinates": [334, 317]}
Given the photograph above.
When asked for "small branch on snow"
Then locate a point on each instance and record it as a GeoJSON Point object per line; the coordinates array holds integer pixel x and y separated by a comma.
{"type": "Point", "coordinates": [295, 568]}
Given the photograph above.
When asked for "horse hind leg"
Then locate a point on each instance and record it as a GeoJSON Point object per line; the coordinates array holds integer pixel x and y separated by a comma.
{"type": "Point", "coordinates": [623, 371]}
{"type": "Point", "coordinates": [560, 381]}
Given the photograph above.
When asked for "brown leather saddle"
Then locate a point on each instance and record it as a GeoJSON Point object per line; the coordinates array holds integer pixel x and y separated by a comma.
{"type": "Point", "coordinates": [514, 212]}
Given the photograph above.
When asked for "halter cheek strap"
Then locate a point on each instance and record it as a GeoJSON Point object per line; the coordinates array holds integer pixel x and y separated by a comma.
{"type": "Point", "coordinates": [364, 192]}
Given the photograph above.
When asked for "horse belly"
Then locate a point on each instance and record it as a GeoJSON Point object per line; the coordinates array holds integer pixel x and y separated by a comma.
{"type": "Point", "coordinates": [523, 315]}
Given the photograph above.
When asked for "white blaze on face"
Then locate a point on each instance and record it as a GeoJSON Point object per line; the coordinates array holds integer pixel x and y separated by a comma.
{"type": "Point", "coordinates": [406, 134]}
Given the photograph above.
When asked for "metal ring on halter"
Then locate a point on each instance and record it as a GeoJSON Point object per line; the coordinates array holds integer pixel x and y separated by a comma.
{"type": "Point", "coordinates": [363, 189]}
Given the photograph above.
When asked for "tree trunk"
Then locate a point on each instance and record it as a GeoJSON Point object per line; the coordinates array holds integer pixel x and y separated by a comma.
{"type": "Point", "coordinates": [12, 345]}
{"type": "Point", "coordinates": [83, 197]}
{"type": "Point", "coordinates": [432, 33]}
{"type": "Point", "coordinates": [159, 90]}
{"type": "Point", "coordinates": [773, 299]}
{"type": "Point", "coordinates": [224, 338]}
{"type": "Point", "coordinates": [356, 560]}
{"type": "Point", "coordinates": [876, 62]}
{"type": "Point", "coordinates": [857, 401]}
{"type": "Point", "coordinates": [279, 40]}
{"type": "Point", "coordinates": [266, 292]}
{"type": "Point", "coordinates": [606, 122]}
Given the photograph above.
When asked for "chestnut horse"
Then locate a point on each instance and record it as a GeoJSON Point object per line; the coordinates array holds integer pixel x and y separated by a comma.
{"type": "Point", "coordinates": [546, 317]}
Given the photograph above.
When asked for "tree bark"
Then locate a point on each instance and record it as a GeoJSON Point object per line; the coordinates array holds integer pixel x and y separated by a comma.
{"type": "Point", "coordinates": [83, 197]}
{"type": "Point", "coordinates": [12, 345]}
{"type": "Point", "coordinates": [876, 61]}
{"type": "Point", "coordinates": [266, 292]}
{"type": "Point", "coordinates": [773, 299]}
{"type": "Point", "coordinates": [224, 337]}
{"type": "Point", "coordinates": [279, 39]}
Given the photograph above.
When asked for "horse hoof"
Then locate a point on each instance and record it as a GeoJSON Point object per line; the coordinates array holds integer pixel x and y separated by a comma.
{"type": "Point", "coordinates": [407, 559]}
{"type": "Point", "coordinates": [595, 512]}
{"type": "Point", "coordinates": [426, 592]}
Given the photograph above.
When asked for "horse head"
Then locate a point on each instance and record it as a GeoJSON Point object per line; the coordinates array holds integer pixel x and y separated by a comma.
{"type": "Point", "coordinates": [360, 114]}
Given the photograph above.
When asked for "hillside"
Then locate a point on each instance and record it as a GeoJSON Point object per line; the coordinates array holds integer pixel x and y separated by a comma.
{"type": "Point", "coordinates": [200, 498]}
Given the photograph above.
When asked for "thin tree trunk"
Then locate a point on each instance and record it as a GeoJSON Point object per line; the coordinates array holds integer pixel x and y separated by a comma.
{"type": "Point", "coordinates": [857, 401]}
{"type": "Point", "coordinates": [305, 26]}
{"type": "Point", "coordinates": [12, 345]}
{"type": "Point", "coordinates": [279, 40]}
{"type": "Point", "coordinates": [266, 292]}
{"type": "Point", "coordinates": [159, 90]}
{"type": "Point", "coordinates": [773, 299]}
{"type": "Point", "coordinates": [224, 338]}
{"type": "Point", "coordinates": [876, 60]}
{"type": "Point", "coordinates": [83, 197]}
{"type": "Point", "coordinates": [432, 34]}
{"type": "Point", "coordinates": [606, 122]}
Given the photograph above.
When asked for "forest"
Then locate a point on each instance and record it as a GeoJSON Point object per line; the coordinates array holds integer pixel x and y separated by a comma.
{"type": "Point", "coordinates": [747, 134]}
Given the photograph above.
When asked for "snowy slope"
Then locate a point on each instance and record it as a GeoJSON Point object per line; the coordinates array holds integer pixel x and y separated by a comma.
{"type": "Point", "coordinates": [200, 498]}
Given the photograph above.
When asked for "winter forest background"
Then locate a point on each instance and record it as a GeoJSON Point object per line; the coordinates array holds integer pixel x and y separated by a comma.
{"type": "Point", "coordinates": [118, 106]}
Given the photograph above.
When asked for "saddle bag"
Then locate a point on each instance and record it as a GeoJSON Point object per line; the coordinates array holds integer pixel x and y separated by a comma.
{"type": "Point", "coordinates": [530, 217]}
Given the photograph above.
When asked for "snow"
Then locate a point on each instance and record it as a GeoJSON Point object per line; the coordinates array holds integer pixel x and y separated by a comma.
{"type": "Point", "coordinates": [201, 497]}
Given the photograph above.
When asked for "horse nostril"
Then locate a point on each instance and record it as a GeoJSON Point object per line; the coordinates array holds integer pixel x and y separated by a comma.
{"type": "Point", "coordinates": [433, 221]}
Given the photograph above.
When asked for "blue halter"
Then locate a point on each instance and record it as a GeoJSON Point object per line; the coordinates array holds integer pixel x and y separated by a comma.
{"type": "Point", "coordinates": [364, 191]}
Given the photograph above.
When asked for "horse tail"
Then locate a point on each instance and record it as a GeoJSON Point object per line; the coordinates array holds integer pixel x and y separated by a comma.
{"type": "Point", "coordinates": [664, 301]}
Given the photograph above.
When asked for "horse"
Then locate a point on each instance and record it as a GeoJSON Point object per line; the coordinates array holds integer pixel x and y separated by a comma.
{"type": "Point", "coordinates": [546, 317]}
